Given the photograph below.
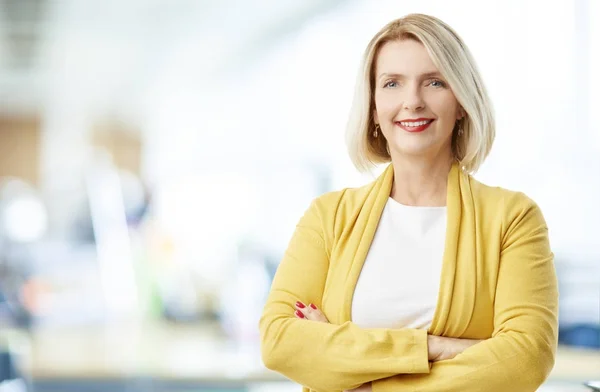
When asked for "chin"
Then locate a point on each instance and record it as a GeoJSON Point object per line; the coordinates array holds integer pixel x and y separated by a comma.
{"type": "Point", "coordinates": [412, 149]}
{"type": "Point", "coordinates": [421, 145]}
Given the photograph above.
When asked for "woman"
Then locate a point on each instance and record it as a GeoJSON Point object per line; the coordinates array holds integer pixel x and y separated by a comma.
{"type": "Point", "coordinates": [426, 279]}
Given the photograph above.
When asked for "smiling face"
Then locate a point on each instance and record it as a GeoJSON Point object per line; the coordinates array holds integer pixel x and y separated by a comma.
{"type": "Point", "coordinates": [414, 105]}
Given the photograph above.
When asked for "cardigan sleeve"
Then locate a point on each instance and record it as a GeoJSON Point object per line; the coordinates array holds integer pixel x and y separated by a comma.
{"type": "Point", "coordinates": [520, 354]}
{"type": "Point", "coordinates": [322, 356]}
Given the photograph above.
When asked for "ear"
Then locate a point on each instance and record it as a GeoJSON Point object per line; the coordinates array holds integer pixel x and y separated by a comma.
{"type": "Point", "coordinates": [375, 116]}
{"type": "Point", "coordinates": [460, 113]}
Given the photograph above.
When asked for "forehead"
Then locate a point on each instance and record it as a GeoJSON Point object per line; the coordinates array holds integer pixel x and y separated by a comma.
{"type": "Point", "coordinates": [407, 57]}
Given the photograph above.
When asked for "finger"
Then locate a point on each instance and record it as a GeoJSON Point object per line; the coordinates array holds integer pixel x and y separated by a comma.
{"type": "Point", "coordinates": [313, 313]}
{"type": "Point", "coordinates": [310, 312]}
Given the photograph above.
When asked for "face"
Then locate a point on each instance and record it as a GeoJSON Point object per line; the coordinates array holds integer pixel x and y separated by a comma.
{"type": "Point", "coordinates": [414, 105]}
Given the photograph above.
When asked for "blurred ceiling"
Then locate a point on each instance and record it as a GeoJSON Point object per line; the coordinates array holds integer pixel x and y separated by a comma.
{"type": "Point", "coordinates": [114, 52]}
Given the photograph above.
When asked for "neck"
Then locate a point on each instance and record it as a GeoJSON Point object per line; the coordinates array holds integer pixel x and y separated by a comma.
{"type": "Point", "coordinates": [420, 182]}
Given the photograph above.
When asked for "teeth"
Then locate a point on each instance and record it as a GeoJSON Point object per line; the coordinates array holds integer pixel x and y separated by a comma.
{"type": "Point", "coordinates": [414, 124]}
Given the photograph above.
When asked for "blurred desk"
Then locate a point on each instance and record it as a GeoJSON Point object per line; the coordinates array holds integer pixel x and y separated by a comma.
{"type": "Point", "coordinates": [576, 364]}
{"type": "Point", "coordinates": [188, 357]}
{"type": "Point", "coordinates": [165, 351]}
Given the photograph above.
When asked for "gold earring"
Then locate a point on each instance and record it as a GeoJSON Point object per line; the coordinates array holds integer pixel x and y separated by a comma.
{"type": "Point", "coordinates": [459, 123]}
{"type": "Point", "coordinates": [375, 133]}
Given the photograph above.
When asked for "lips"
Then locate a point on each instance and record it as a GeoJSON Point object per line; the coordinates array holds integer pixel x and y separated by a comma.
{"type": "Point", "coordinates": [416, 125]}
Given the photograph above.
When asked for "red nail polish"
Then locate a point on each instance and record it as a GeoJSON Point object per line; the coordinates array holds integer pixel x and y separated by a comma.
{"type": "Point", "coordinates": [313, 306]}
{"type": "Point", "coordinates": [299, 314]}
{"type": "Point", "coordinates": [300, 305]}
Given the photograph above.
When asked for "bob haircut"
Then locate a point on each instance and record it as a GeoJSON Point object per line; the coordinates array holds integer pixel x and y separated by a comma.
{"type": "Point", "coordinates": [454, 61]}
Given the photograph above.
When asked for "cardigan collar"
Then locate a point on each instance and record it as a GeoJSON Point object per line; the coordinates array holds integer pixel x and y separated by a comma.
{"type": "Point", "coordinates": [456, 296]}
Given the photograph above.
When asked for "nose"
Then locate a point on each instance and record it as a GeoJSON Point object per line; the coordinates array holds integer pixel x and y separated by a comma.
{"type": "Point", "coordinates": [413, 99]}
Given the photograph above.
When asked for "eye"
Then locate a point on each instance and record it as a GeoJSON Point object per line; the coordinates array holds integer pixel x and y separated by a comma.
{"type": "Point", "coordinates": [390, 84]}
{"type": "Point", "coordinates": [437, 83]}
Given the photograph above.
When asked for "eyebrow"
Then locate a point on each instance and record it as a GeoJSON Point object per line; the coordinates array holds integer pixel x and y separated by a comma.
{"type": "Point", "coordinates": [400, 76]}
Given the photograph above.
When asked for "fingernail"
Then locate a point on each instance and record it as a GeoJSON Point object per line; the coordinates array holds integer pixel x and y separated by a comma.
{"type": "Point", "coordinates": [299, 314]}
{"type": "Point", "coordinates": [300, 305]}
{"type": "Point", "coordinates": [313, 306]}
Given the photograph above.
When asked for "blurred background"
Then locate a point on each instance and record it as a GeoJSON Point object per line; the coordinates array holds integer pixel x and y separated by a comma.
{"type": "Point", "coordinates": [155, 156]}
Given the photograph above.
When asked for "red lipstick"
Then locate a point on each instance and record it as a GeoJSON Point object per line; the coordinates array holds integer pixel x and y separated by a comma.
{"type": "Point", "coordinates": [413, 129]}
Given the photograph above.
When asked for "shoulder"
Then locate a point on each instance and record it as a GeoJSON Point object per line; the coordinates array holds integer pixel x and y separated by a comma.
{"type": "Point", "coordinates": [342, 201]}
{"type": "Point", "coordinates": [513, 208]}
{"type": "Point", "coordinates": [334, 211]}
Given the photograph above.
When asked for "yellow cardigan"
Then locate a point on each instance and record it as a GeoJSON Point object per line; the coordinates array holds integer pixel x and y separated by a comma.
{"type": "Point", "coordinates": [498, 283]}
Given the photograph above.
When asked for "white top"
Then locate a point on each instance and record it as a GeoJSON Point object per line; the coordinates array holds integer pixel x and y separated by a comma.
{"type": "Point", "coordinates": [399, 282]}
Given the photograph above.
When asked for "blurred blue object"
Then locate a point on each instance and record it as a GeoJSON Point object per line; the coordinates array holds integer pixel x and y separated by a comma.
{"type": "Point", "coordinates": [10, 380]}
{"type": "Point", "coordinates": [582, 335]}
{"type": "Point", "coordinates": [7, 368]}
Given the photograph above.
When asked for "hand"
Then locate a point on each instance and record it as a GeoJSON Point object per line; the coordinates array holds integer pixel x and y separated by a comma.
{"type": "Point", "coordinates": [441, 348]}
{"type": "Point", "coordinates": [363, 388]}
{"type": "Point", "coordinates": [311, 312]}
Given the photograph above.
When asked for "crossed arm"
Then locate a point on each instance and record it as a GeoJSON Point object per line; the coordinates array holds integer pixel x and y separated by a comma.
{"type": "Point", "coordinates": [438, 348]}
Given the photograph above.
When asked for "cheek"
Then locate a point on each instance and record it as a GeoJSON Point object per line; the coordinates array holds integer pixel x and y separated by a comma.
{"type": "Point", "coordinates": [445, 107]}
{"type": "Point", "coordinates": [384, 105]}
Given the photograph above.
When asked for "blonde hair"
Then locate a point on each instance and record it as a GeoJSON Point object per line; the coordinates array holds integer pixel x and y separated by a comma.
{"type": "Point", "coordinates": [454, 61]}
